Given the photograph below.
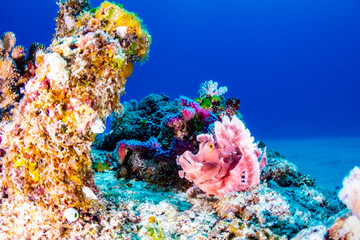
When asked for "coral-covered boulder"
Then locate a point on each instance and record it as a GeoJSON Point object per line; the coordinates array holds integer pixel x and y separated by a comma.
{"type": "Point", "coordinates": [77, 84]}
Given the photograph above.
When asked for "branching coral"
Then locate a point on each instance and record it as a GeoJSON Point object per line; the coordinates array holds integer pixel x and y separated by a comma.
{"type": "Point", "coordinates": [228, 164]}
{"type": "Point", "coordinates": [77, 84]}
{"type": "Point", "coordinates": [211, 97]}
{"type": "Point", "coordinates": [15, 70]}
{"type": "Point", "coordinates": [210, 89]}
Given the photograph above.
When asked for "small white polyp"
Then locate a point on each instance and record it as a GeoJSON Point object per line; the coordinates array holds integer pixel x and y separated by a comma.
{"type": "Point", "coordinates": [71, 214]}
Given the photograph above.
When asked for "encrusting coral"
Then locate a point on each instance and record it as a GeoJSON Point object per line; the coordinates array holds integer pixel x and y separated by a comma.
{"type": "Point", "coordinates": [77, 84]}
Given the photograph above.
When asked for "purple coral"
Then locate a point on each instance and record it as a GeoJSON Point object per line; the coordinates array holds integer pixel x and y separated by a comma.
{"type": "Point", "coordinates": [201, 112]}
{"type": "Point", "coordinates": [226, 165]}
{"type": "Point", "coordinates": [192, 117]}
{"type": "Point", "coordinates": [187, 113]}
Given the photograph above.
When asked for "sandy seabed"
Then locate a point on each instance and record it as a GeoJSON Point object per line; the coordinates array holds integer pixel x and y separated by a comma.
{"type": "Point", "coordinates": [328, 160]}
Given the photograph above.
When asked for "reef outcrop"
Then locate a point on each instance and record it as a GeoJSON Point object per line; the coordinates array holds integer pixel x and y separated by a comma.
{"type": "Point", "coordinates": [73, 86]}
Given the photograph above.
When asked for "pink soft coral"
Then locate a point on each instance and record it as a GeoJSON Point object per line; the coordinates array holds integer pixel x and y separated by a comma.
{"type": "Point", "coordinates": [226, 165]}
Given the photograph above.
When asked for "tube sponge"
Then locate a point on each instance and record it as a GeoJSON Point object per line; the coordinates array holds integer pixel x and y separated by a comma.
{"type": "Point", "coordinates": [226, 165]}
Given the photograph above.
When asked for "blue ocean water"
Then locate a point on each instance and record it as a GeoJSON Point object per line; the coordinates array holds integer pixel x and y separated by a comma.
{"type": "Point", "coordinates": [294, 64]}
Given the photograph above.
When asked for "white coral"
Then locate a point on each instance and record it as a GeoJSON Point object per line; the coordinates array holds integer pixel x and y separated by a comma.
{"type": "Point", "coordinates": [98, 127]}
{"type": "Point", "coordinates": [210, 88]}
{"type": "Point", "coordinates": [350, 193]}
{"type": "Point", "coordinates": [69, 21]}
{"type": "Point", "coordinates": [57, 72]}
{"type": "Point", "coordinates": [121, 31]}
{"type": "Point", "coordinates": [350, 229]}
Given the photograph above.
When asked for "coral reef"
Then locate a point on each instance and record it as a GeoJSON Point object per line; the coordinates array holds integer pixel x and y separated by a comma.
{"type": "Point", "coordinates": [284, 195]}
{"type": "Point", "coordinates": [147, 161]}
{"type": "Point", "coordinates": [271, 207]}
{"type": "Point", "coordinates": [228, 164]}
{"type": "Point", "coordinates": [138, 121]}
{"type": "Point", "coordinates": [191, 120]}
{"type": "Point", "coordinates": [157, 116]}
{"type": "Point", "coordinates": [147, 137]}
{"type": "Point", "coordinates": [53, 103]}
{"type": "Point", "coordinates": [317, 232]}
{"type": "Point", "coordinates": [268, 211]}
{"type": "Point", "coordinates": [211, 97]}
{"type": "Point", "coordinates": [15, 71]}
{"type": "Point", "coordinates": [77, 84]}
{"type": "Point", "coordinates": [141, 145]}
{"type": "Point", "coordinates": [283, 172]}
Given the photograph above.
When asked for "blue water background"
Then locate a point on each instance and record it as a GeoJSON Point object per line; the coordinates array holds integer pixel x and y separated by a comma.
{"type": "Point", "coordinates": [295, 64]}
{"type": "Point", "coordinates": [328, 160]}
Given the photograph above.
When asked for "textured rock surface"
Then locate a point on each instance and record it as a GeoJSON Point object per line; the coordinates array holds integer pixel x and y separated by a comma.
{"type": "Point", "coordinates": [138, 121]}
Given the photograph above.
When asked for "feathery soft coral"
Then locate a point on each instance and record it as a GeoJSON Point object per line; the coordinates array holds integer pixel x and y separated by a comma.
{"type": "Point", "coordinates": [226, 165]}
{"type": "Point", "coordinates": [350, 193]}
